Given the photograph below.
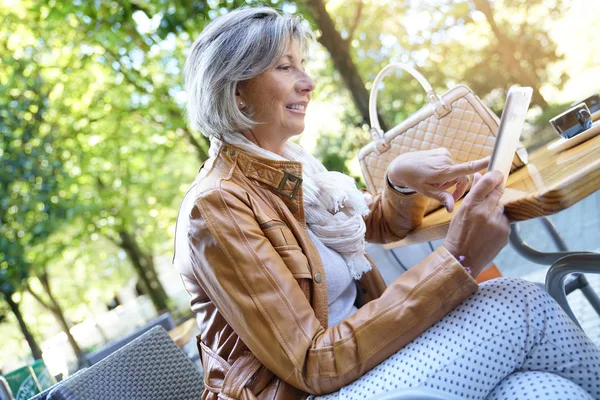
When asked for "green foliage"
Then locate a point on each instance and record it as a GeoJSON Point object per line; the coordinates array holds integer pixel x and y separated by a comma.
{"type": "Point", "coordinates": [496, 31]}
{"type": "Point", "coordinates": [119, 126]}
{"type": "Point", "coordinates": [90, 134]}
{"type": "Point", "coordinates": [32, 201]}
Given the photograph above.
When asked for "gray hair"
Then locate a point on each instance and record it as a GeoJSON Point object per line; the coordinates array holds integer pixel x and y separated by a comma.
{"type": "Point", "coordinates": [233, 48]}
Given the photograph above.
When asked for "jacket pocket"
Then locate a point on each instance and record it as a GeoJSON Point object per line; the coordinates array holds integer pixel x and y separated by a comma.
{"type": "Point", "coordinates": [295, 260]}
{"type": "Point", "coordinates": [278, 233]}
{"type": "Point", "coordinates": [286, 245]}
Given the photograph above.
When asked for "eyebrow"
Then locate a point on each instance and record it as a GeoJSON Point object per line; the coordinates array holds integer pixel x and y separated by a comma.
{"type": "Point", "coordinates": [291, 58]}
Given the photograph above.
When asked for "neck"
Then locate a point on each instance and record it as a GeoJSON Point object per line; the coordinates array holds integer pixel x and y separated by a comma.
{"type": "Point", "coordinates": [272, 145]}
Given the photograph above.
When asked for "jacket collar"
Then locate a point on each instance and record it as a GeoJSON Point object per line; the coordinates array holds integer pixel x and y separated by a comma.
{"type": "Point", "coordinates": [282, 176]}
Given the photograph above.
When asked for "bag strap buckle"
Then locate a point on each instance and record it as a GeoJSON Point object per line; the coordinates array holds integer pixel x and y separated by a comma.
{"type": "Point", "coordinates": [376, 134]}
{"type": "Point", "coordinates": [440, 108]}
{"type": "Point", "coordinates": [381, 145]}
{"type": "Point", "coordinates": [292, 178]}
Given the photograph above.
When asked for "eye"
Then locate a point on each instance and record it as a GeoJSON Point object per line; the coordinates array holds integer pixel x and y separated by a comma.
{"type": "Point", "coordinates": [285, 67]}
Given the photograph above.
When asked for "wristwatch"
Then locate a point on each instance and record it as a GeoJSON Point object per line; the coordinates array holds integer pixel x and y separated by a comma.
{"type": "Point", "coordinates": [400, 189]}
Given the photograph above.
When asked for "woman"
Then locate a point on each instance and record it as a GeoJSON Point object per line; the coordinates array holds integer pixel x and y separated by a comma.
{"type": "Point", "coordinates": [271, 248]}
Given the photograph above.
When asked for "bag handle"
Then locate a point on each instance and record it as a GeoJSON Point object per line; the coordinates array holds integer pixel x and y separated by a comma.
{"type": "Point", "coordinates": [439, 106]}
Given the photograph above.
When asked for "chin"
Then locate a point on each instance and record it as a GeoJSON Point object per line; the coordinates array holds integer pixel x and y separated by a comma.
{"type": "Point", "coordinates": [295, 131]}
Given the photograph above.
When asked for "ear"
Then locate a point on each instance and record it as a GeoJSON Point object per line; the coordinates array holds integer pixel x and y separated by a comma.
{"type": "Point", "coordinates": [240, 98]}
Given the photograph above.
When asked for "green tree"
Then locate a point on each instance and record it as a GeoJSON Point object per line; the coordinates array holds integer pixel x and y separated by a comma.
{"type": "Point", "coordinates": [30, 183]}
{"type": "Point", "coordinates": [119, 125]}
{"type": "Point", "coordinates": [509, 43]}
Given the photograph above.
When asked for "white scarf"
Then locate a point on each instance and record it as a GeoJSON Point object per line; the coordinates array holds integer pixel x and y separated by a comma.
{"type": "Point", "coordinates": [333, 206]}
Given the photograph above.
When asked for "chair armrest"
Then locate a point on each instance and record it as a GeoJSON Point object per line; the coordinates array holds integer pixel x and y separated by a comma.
{"type": "Point", "coordinates": [573, 263]}
{"type": "Point", "coordinates": [5, 392]}
{"type": "Point", "coordinates": [536, 256]}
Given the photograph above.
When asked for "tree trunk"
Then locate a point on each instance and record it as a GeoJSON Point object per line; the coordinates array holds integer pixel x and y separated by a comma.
{"type": "Point", "coordinates": [144, 265]}
{"type": "Point", "coordinates": [340, 53]}
{"type": "Point", "coordinates": [507, 50]}
{"type": "Point", "coordinates": [202, 155]}
{"type": "Point", "coordinates": [58, 313]}
{"type": "Point", "coordinates": [36, 351]}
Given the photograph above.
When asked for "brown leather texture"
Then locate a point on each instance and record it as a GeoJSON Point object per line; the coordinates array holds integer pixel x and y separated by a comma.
{"type": "Point", "coordinates": [245, 257]}
{"type": "Point", "coordinates": [468, 131]}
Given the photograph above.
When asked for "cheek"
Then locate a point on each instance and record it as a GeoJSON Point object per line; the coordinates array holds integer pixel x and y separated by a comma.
{"type": "Point", "coordinates": [270, 107]}
{"type": "Point", "coordinates": [269, 97]}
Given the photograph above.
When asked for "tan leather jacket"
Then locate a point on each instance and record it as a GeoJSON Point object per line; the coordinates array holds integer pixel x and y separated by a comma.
{"type": "Point", "coordinates": [259, 290]}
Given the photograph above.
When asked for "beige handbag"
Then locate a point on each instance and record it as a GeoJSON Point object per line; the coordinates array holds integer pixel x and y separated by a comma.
{"type": "Point", "coordinates": [458, 121]}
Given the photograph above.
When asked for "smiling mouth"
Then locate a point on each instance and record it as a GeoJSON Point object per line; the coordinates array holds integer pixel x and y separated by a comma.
{"type": "Point", "coordinates": [297, 108]}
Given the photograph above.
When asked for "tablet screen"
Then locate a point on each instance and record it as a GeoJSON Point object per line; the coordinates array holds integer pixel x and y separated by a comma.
{"type": "Point", "coordinates": [509, 131]}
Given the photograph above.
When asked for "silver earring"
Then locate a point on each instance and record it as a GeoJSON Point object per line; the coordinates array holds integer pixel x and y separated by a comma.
{"type": "Point", "coordinates": [242, 104]}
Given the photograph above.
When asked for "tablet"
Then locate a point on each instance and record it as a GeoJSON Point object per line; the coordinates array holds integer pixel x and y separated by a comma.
{"type": "Point", "coordinates": [509, 131]}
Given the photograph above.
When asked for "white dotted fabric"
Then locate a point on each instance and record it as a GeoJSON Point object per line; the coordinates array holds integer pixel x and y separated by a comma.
{"type": "Point", "coordinates": [537, 385]}
{"type": "Point", "coordinates": [481, 349]}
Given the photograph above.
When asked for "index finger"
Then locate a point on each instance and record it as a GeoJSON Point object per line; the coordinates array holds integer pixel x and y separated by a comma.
{"type": "Point", "coordinates": [486, 185]}
{"type": "Point", "coordinates": [469, 167]}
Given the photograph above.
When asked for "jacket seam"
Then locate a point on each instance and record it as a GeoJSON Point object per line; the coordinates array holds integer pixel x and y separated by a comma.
{"type": "Point", "coordinates": [268, 190]}
{"type": "Point", "coordinates": [413, 199]}
{"type": "Point", "coordinates": [222, 362]}
{"type": "Point", "coordinates": [364, 326]}
{"type": "Point", "coordinates": [382, 313]}
{"type": "Point", "coordinates": [386, 341]}
{"type": "Point", "coordinates": [259, 262]}
{"type": "Point", "coordinates": [324, 309]}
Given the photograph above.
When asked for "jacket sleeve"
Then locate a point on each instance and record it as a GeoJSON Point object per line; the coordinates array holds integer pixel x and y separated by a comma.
{"type": "Point", "coordinates": [258, 295]}
{"type": "Point", "coordinates": [393, 215]}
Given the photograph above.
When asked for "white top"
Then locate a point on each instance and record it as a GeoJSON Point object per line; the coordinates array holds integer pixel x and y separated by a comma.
{"type": "Point", "coordinates": [341, 288]}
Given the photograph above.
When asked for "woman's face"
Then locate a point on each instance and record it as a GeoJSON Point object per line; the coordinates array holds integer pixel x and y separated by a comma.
{"type": "Point", "coordinates": [279, 98]}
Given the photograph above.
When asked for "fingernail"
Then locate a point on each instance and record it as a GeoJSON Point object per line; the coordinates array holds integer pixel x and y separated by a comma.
{"type": "Point", "coordinates": [446, 205]}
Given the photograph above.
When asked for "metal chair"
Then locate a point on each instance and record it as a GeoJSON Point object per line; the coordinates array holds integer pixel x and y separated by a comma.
{"type": "Point", "coordinates": [5, 392]}
{"type": "Point", "coordinates": [164, 320]}
{"type": "Point", "coordinates": [564, 263]}
{"type": "Point", "coordinates": [150, 367]}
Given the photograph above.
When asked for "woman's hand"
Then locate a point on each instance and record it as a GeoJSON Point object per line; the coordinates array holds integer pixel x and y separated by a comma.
{"type": "Point", "coordinates": [432, 172]}
{"type": "Point", "coordinates": [479, 229]}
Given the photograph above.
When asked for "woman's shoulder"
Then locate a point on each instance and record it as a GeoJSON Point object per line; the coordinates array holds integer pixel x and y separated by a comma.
{"type": "Point", "coordinates": [222, 190]}
{"type": "Point", "coordinates": [214, 189]}
{"type": "Point", "coordinates": [206, 197]}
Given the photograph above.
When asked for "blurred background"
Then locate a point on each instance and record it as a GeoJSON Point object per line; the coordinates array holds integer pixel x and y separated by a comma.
{"type": "Point", "coordinates": [95, 152]}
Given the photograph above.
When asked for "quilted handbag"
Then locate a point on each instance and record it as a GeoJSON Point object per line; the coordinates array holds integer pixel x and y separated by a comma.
{"type": "Point", "coordinates": [458, 121]}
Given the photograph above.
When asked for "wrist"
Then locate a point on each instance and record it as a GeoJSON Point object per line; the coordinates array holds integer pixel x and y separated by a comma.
{"type": "Point", "coordinates": [462, 261]}
{"type": "Point", "coordinates": [450, 248]}
{"type": "Point", "coordinates": [402, 189]}
{"type": "Point", "coordinates": [393, 180]}
{"type": "Point", "coordinates": [460, 258]}
{"type": "Point", "coordinates": [399, 188]}
{"type": "Point", "coordinates": [395, 174]}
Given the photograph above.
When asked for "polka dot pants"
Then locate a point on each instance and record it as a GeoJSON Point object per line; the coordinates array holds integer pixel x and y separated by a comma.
{"type": "Point", "coordinates": [509, 340]}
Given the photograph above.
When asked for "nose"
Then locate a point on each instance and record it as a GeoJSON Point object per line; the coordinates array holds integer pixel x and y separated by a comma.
{"type": "Point", "coordinates": [305, 84]}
